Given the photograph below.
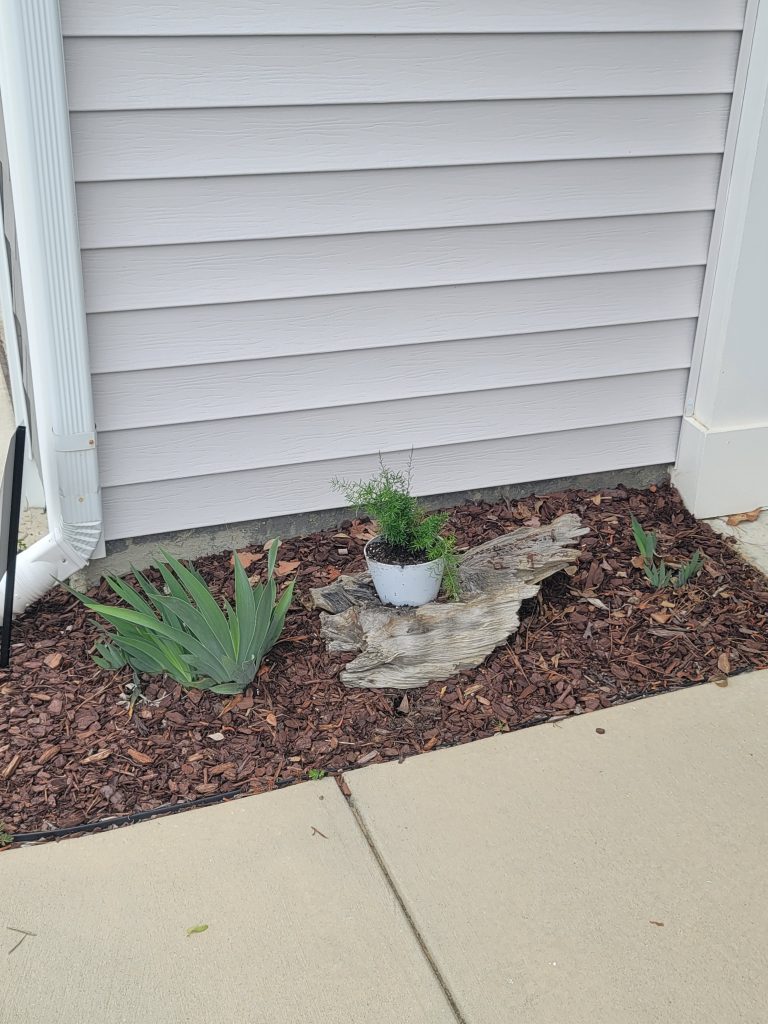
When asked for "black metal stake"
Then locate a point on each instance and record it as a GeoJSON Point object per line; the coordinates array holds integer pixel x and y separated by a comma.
{"type": "Point", "coordinates": [9, 532]}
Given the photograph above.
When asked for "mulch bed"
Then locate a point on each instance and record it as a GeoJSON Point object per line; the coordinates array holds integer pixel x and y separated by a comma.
{"type": "Point", "coordinates": [70, 753]}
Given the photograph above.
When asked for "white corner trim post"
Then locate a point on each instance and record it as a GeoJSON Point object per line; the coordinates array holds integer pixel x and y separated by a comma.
{"type": "Point", "coordinates": [33, 89]}
{"type": "Point", "coordinates": [722, 461]}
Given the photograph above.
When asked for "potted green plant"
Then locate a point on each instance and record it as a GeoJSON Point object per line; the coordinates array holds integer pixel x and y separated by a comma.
{"type": "Point", "coordinates": [411, 557]}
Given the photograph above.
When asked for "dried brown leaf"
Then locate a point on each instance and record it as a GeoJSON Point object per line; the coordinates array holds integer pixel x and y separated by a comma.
{"type": "Point", "coordinates": [283, 568]}
{"type": "Point", "coordinates": [724, 663]}
{"type": "Point", "coordinates": [744, 517]}
{"type": "Point", "coordinates": [362, 531]}
{"type": "Point", "coordinates": [247, 558]}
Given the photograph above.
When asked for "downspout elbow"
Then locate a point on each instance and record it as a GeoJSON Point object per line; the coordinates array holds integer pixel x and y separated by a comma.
{"type": "Point", "coordinates": [50, 560]}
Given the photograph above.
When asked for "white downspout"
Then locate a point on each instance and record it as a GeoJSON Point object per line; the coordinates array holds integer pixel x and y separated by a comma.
{"type": "Point", "coordinates": [33, 90]}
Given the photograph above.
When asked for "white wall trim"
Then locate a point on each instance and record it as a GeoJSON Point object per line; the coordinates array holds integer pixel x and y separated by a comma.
{"type": "Point", "coordinates": [722, 465]}
{"type": "Point", "coordinates": [710, 470]}
{"type": "Point", "coordinates": [728, 196]}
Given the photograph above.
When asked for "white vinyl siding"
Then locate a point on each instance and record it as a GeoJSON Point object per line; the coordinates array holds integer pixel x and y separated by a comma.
{"type": "Point", "coordinates": [299, 437]}
{"type": "Point", "coordinates": [316, 231]}
{"type": "Point", "coordinates": [178, 504]}
{"type": "Point", "coordinates": [126, 74]}
{"type": "Point", "coordinates": [145, 18]}
{"type": "Point", "coordinates": [162, 276]}
{"type": "Point", "coordinates": [289, 383]}
{"type": "Point", "coordinates": [170, 143]}
{"type": "Point", "coordinates": [411, 317]}
{"type": "Point", "coordinates": [156, 211]}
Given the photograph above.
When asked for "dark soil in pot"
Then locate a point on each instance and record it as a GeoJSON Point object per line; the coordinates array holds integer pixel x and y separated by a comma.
{"type": "Point", "coordinates": [390, 554]}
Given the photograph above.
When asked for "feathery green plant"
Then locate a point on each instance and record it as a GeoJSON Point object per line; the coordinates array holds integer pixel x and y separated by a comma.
{"type": "Point", "coordinates": [402, 522]}
{"type": "Point", "coordinates": [184, 634]}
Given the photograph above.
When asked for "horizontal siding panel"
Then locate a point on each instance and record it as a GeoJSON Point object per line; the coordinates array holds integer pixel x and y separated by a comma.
{"type": "Point", "coordinates": [191, 143]}
{"type": "Point", "coordinates": [204, 334]}
{"type": "Point", "coordinates": [162, 276]}
{"type": "Point", "coordinates": [170, 211]}
{"type": "Point", "coordinates": [251, 71]}
{"type": "Point", "coordinates": [239, 17]}
{"type": "Point", "coordinates": [179, 504]}
{"type": "Point", "coordinates": [279, 439]}
{"type": "Point", "coordinates": [142, 398]}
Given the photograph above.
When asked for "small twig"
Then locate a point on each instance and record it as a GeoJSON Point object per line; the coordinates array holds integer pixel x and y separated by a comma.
{"type": "Point", "coordinates": [93, 696]}
{"type": "Point", "coordinates": [317, 832]}
{"type": "Point", "coordinates": [23, 933]}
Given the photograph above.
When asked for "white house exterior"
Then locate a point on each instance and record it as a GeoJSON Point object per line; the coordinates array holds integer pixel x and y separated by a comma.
{"type": "Point", "coordinates": [315, 230]}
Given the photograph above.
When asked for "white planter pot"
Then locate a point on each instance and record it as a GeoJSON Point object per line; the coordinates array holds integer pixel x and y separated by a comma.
{"type": "Point", "coordinates": [411, 585]}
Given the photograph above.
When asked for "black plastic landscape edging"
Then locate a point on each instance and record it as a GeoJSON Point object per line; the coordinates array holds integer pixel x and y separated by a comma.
{"type": "Point", "coordinates": [163, 810]}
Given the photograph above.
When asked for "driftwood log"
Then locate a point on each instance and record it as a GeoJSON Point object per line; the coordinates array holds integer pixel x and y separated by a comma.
{"type": "Point", "coordinates": [406, 647]}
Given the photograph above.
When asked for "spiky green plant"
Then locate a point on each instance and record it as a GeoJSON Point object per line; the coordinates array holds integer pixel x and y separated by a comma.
{"type": "Point", "coordinates": [658, 572]}
{"type": "Point", "coordinates": [184, 634]}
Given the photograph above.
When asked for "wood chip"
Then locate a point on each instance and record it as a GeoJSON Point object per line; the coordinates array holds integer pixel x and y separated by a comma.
{"type": "Point", "coordinates": [48, 754]}
{"type": "Point", "coordinates": [100, 755]}
{"type": "Point", "coordinates": [11, 767]}
{"type": "Point", "coordinates": [367, 757]}
{"type": "Point", "coordinates": [53, 660]}
{"type": "Point", "coordinates": [139, 757]}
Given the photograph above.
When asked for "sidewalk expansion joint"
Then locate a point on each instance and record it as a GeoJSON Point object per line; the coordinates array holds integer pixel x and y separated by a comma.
{"type": "Point", "coordinates": [449, 997]}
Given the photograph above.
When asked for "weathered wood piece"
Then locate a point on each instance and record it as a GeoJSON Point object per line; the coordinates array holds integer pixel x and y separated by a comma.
{"type": "Point", "coordinates": [407, 647]}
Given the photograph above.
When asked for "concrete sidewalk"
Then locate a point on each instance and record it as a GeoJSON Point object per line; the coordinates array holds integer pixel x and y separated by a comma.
{"type": "Point", "coordinates": [552, 876]}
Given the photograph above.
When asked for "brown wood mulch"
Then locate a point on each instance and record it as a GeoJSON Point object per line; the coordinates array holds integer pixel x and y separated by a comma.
{"type": "Point", "coordinates": [70, 752]}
